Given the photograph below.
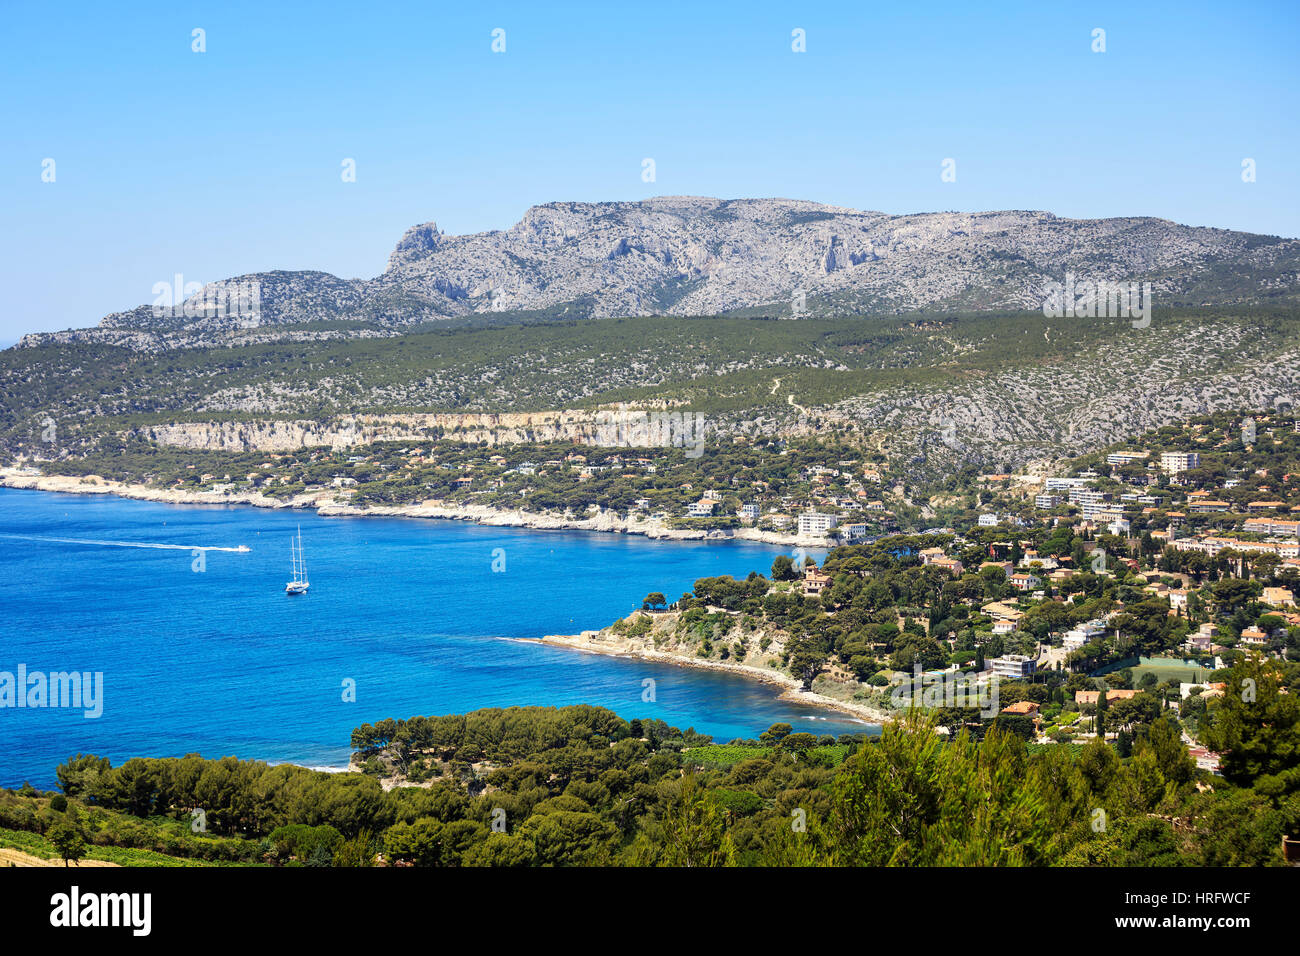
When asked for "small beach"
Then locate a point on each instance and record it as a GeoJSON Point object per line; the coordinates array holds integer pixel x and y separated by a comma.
{"type": "Point", "coordinates": [792, 689]}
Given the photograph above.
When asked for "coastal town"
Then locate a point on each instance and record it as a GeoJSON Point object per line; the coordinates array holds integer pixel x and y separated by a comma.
{"type": "Point", "coordinates": [775, 490]}
{"type": "Point", "coordinates": [1097, 599]}
{"type": "Point", "coordinates": [810, 490]}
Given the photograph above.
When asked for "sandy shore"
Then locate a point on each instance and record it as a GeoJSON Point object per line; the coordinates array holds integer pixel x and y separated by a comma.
{"type": "Point", "coordinates": [793, 690]}
{"type": "Point", "coordinates": [326, 504]}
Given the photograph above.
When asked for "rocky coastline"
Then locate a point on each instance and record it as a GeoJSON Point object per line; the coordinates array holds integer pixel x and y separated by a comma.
{"type": "Point", "coordinates": [327, 505]}
{"type": "Point", "coordinates": [607, 642]}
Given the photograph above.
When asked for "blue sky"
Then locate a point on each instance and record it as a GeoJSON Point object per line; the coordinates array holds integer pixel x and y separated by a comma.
{"type": "Point", "coordinates": [226, 162]}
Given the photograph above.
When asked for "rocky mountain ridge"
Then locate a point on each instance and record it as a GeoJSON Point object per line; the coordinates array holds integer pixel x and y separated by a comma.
{"type": "Point", "coordinates": [701, 256]}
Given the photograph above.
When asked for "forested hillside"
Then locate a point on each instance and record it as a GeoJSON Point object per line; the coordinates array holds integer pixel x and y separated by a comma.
{"type": "Point", "coordinates": [581, 786]}
{"type": "Point", "coordinates": [931, 392]}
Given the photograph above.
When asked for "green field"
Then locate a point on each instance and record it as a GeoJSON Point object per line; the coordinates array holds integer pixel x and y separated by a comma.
{"type": "Point", "coordinates": [1165, 669]}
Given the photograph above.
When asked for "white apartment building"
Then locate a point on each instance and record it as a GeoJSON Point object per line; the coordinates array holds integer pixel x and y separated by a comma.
{"type": "Point", "coordinates": [814, 522]}
{"type": "Point", "coordinates": [1076, 637]}
{"type": "Point", "coordinates": [1125, 457]}
{"type": "Point", "coordinates": [1086, 496]}
{"type": "Point", "coordinates": [1063, 484]}
{"type": "Point", "coordinates": [1099, 510]}
{"type": "Point", "coordinates": [1013, 666]}
{"type": "Point", "coordinates": [1272, 526]}
{"type": "Point", "coordinates": [1176, 461]}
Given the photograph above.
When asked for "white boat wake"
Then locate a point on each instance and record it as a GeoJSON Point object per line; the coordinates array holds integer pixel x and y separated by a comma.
{"type": "Point", "coordinates": [241, 549]}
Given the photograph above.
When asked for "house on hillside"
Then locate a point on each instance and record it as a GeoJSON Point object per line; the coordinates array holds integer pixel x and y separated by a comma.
{"type": "Point", "coordinates": [1025, 581]}
{"type": "Point", "coordinates": [1022, 708]}
{"type": "Point", "coordinates": [814, 581]}
{"type": "Point", "coordinates": [1089, 697]}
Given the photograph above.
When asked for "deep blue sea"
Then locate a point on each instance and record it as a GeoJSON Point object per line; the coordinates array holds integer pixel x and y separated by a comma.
{"type": "Point", "coordinates": [220, 661]}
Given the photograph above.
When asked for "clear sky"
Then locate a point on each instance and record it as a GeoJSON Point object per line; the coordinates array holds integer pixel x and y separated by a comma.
{"type": "Point", "coordinates": [229, 161]}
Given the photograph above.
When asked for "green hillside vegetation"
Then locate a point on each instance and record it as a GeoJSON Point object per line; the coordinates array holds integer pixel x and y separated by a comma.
{"type": "Point", "coordinates": [529, 786]}
{"type": "Point", "coordinates": [722, 366]}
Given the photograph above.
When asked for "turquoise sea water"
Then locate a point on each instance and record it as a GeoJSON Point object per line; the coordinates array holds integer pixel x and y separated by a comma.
{"type": "Point", "coordinates": [220, 661]}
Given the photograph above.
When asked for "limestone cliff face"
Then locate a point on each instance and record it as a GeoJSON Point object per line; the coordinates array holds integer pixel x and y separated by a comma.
{"type": "Point", "coordinates": [690, 255]}
{"type": "Point", "coordinates": [755, 654]}
{"type": "Point", "coordinates": [659, 635]}
{"type": "Point", "coordinates": [353, 430]}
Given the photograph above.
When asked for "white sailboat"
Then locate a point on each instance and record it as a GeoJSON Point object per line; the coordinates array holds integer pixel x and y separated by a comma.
{"type": "Point", "coordinates": [299, 584]}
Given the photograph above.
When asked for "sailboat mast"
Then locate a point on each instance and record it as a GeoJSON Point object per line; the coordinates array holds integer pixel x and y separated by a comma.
{"type": "Point", "coordinates": [298, 565]}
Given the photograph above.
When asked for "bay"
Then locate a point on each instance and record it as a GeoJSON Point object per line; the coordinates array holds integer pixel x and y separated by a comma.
{"type": "Point", "coordinates": [212, 657]}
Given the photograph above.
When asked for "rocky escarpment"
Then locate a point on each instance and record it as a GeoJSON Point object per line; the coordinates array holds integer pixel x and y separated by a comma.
{"type": "Point", "coordinates": [347, 431]}
{"type": "Point", "coordinates": [696, 256]}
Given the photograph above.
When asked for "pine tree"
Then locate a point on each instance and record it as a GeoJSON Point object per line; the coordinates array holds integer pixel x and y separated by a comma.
{"type": "Point", "coordinates": [1124, 744]}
